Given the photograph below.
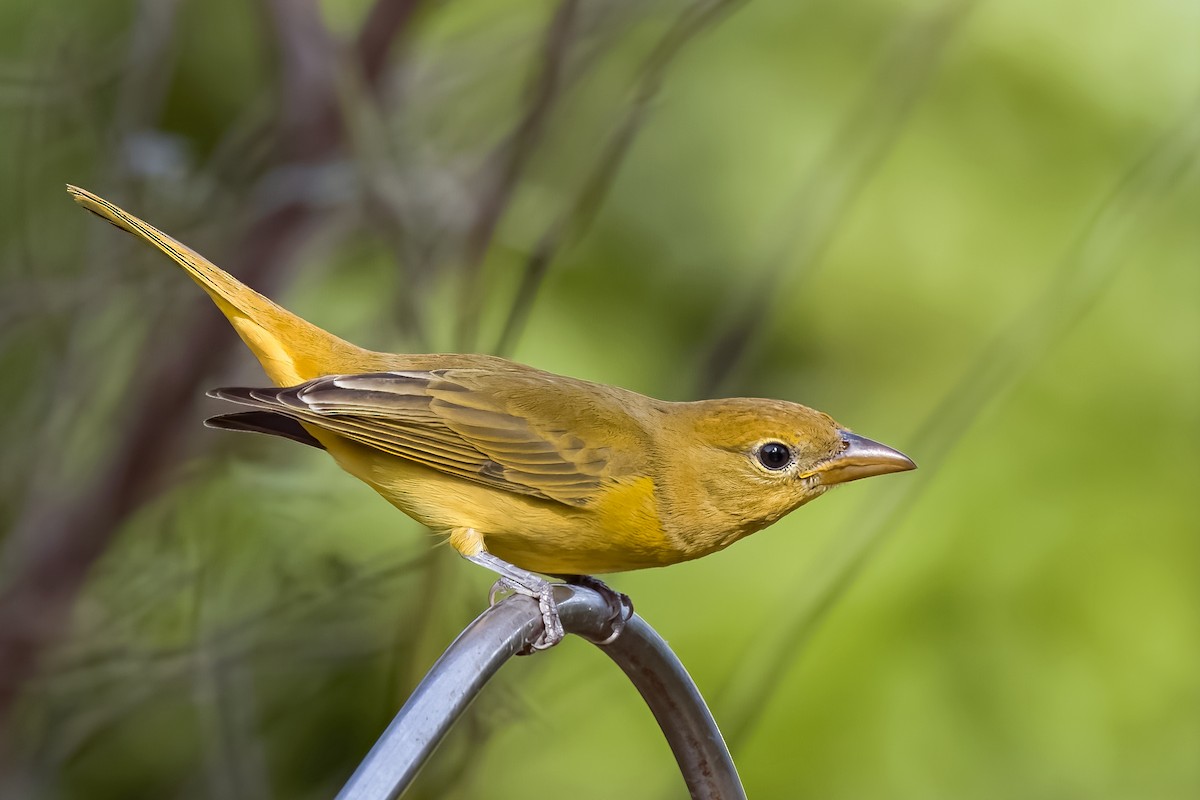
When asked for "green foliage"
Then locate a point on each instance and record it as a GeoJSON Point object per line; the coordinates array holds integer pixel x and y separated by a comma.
{"type": "Point", "coordinates": [967, 230]}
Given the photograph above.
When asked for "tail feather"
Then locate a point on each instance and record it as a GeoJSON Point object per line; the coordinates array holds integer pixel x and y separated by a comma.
{"type": "Point", "coordinates": [290, 349]}
{"type": "Point", "coordinates": [265, 422]}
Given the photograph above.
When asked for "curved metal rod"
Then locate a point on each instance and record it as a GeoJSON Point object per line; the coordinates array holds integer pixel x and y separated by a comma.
{"type": "Point", "coordinates": [504, 630]}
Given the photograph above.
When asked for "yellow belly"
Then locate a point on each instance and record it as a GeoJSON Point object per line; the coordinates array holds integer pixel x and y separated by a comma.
{"type": "Point", "coordinates": [620, 531]}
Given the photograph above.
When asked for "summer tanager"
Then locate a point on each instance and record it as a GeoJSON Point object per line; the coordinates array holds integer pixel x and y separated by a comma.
{"type": "Point", "coordinates": [526, 471]}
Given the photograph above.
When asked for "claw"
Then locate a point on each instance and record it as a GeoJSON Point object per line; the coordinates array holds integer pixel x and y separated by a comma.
{"type": "Point", "coordinates": [618, 602]}
{"type": "Point", "coordinates": [515, 579]}
{"type": "Point", "coordinates": [520, 581]}
{"type": "Point", "coordinates": [552, 628]}
{"type": "Point", "coordinates": [617, 627]}
{"type": "Point", "coordinates": [501, 586]}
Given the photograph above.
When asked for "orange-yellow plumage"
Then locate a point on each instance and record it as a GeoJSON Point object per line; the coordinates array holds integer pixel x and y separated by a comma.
{"type": "Point", "coordinates": [549, 473]}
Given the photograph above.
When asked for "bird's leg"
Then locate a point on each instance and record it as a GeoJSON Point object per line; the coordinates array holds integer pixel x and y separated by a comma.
{"type": "Point", "coordinates": [619, 602]}
{"type": "Point", "coordinates": [524, 582]}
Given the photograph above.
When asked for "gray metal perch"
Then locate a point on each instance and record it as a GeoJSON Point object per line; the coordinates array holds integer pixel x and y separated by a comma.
{"type": "Point", "coordinates": [504, 630]}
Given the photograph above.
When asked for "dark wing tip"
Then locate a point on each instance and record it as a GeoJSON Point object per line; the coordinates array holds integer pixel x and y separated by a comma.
{"type": "Point", "coordinates": [235, 394]}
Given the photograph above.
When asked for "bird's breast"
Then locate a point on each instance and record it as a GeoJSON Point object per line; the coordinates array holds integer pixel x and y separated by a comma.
{"type": "Point", "coordinates": [616, 529]}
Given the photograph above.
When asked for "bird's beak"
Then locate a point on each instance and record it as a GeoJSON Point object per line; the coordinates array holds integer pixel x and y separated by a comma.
{"type": "Point", "coordinates": [862, 458]}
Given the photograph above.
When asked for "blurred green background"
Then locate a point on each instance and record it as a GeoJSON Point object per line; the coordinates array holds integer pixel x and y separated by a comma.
{"type": "Point", "coordinates": [970, 230]}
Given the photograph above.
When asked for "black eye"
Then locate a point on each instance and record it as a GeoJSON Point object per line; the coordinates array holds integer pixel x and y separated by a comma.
{"type": "Point", "coordinates": [774, 455]}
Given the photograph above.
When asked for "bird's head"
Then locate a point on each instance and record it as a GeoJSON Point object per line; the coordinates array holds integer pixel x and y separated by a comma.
{"type": "Point", "coordinates": [760, 459]}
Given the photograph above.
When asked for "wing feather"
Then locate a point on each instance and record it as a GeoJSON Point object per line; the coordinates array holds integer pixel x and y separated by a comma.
{"type": "Point", "coordinates": [460, 422]}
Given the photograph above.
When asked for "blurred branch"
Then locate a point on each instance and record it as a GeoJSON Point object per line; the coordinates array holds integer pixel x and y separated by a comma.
{"type": "Point", "coordinates": [234, 762]}
{"type": "Point", "coordinates": [389, 198]}
{"type": "Point", "coordinates": [56, 541]}
{"type": "Point", "coordinates": [1078, 282]}
{"type": "Point", "coordinates": [378, 36]}
{"type": "Point", "coordinates": [310, 85]}
{"type": "Point", "coordinates": [504, 166]}
{"type": "Point", "coordinates": [307, 84]}
{"type": "Point", "coordinates": [257, 137]}
{"type": "Point", "coordinates": [103, 667]}
{"type": "Point", "coordinates": [854, 152]}
{"type": "Point", "coordinates": [226, 704]}
{"type": "Point", "coordinates": [148, 68]}
{"type": "Point", "coordinates": [577, 218]}
{"type": "Point", "coordinates": [142, 76]}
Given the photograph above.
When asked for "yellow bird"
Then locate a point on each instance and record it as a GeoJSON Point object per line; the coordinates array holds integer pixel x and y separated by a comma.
{"type": "Point", "coordinates": [527, 471]}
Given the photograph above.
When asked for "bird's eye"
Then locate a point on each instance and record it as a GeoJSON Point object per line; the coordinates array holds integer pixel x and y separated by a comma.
{"type": "Point", "coordinates": [774, 455]}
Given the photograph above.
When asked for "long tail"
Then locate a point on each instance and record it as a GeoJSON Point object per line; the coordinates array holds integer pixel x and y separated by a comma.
{"type": "Point", "coordinates": [290, 349]}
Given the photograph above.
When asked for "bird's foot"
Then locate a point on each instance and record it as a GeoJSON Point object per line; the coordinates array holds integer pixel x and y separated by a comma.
{"type": "Point", "coordinates": [542, 591]}
{"type": "Point", "coordinates": [520, 581]}
{"type": "Point", "coordinates": [618, 602]}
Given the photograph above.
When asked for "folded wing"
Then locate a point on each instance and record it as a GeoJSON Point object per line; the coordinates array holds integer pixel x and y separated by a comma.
{"type": "Point", "coordinates": [471, 424]}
